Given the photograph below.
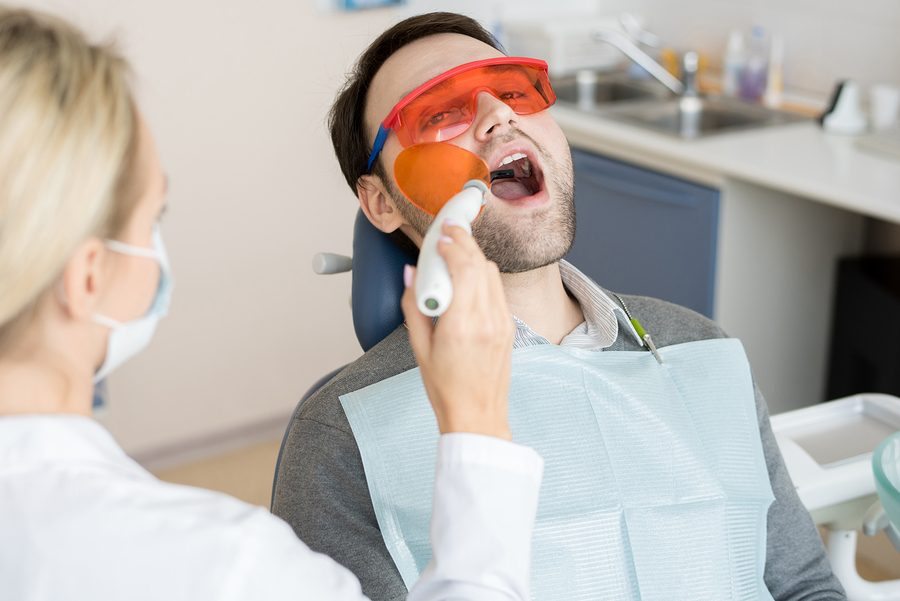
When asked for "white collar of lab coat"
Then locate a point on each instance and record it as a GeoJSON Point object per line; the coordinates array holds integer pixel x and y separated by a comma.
{"type": "Point", "coordinates": [30, 440]}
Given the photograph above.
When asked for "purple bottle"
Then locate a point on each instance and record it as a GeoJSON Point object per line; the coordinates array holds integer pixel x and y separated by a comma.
{"type": "Point", "coordinates": [753, 78]}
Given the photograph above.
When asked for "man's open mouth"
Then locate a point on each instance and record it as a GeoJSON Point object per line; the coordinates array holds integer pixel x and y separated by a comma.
{"type": "Point", "coordinates": [526, 182]}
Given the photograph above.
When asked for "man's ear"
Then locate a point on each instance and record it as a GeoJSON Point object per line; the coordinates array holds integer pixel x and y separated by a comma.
{"type": "Point", "coordinates": [82, 280]}
{"type": "Point", "coordinates": [377, 204]}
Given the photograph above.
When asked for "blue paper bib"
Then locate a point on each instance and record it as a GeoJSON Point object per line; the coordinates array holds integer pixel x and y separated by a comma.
{"type": "Point", "coordinates": [655, 483]}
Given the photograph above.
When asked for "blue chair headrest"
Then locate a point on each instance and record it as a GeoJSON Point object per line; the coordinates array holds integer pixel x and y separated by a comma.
{"type": "Point", "coordinates": [377, 282]}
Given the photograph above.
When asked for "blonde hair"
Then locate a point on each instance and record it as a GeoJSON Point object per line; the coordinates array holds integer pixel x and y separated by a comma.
{"type": "Point", "coordinates": [67, 154]}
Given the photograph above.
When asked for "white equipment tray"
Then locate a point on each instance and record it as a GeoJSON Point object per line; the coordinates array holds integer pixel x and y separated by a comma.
{"type": "Point", "coordinates": [828, 447]}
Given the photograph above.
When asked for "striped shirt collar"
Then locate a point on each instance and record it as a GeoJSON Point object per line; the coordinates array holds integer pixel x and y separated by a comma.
{"type": "Point", "coordinates": [602, 316]}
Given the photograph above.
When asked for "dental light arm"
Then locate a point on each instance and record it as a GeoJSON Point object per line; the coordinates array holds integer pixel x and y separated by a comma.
{"type": "Point", "coordinates": [434, 290]}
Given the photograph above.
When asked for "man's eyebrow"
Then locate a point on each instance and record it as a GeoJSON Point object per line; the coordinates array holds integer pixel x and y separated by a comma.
{"type": "Point", "coordinates": [495, 69]}
{"type": "Point", "coordinates": [432, 90]}
{"type": "Point", "coordinates": [507, 68]}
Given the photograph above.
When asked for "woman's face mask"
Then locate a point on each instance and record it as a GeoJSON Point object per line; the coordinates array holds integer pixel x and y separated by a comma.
{"type": "Point", "coordinates": [128, 339]}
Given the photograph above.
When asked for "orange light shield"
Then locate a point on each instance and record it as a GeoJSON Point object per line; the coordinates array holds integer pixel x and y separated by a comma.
{"type": "Point", "coordinates": [430, 174]}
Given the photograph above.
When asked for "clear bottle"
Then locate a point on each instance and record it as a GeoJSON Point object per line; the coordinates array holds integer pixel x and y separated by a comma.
{"type": "Point", "coordinates": [753, 78]}
{"type": "Point", "coordinates": [733, 64]}
{"type": "Point", "coordinates": [775, 85]}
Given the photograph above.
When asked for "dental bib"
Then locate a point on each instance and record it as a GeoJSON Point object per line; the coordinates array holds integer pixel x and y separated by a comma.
{"type": "Point", "coordinates": [655, 484]}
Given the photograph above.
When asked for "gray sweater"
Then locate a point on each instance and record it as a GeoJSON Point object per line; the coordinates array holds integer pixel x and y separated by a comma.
{"type": "Point", "coordinates": [322, 491]}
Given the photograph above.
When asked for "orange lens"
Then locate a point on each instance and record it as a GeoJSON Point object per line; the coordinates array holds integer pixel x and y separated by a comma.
{"type": "Point", "coordinates": [448, 109]}
{"type": "Point", "coordinates": [431, 174]}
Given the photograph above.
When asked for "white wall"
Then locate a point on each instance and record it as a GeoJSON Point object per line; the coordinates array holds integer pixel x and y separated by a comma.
{"type": "Point", "coordinates": [236, 93]}
{"type": "Point", "coordinates": [492, 12]}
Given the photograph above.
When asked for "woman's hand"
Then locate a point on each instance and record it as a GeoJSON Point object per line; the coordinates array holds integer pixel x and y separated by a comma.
{"type": "Point", "coordinates": [465, 358]}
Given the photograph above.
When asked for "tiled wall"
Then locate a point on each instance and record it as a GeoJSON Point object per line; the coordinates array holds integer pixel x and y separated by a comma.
{"type": "Point", "coordinates": [825, 40]}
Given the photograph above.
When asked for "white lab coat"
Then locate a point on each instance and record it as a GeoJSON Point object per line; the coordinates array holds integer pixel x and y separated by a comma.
{"type": "Point", "coordinates": [80, 520]}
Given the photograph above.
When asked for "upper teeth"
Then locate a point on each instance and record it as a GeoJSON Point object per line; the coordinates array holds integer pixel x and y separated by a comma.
{"type": "Point", "coordinates": [512, 157]}
{"type": "Point", "coordinates": [526, 164]}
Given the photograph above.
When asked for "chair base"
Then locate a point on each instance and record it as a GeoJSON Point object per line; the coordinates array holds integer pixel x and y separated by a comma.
{"type": "Point", "coordinates": [841, 546]}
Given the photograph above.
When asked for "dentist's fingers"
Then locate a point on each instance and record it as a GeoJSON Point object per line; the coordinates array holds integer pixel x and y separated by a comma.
{"type": "Point", "coordinates": [465, 358]}
{"type": "Point", "coordinates": [420, 326]}
{"type": "Point", "coordinates": [465, 259]}
{"type": "Point", "coordinates": [477, 288]}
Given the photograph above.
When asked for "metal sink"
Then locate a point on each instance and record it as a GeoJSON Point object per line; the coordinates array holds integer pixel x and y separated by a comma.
{"type": "Point", "coordinates": [648, 103]}
{"type": "Point", "coordinates": [610, 88]}
{"type": "Point", "coordinates": [694, 117]}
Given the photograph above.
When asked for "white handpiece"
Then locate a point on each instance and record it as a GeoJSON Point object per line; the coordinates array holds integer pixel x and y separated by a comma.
{"type": "Point", "coordinates": [434, 290]}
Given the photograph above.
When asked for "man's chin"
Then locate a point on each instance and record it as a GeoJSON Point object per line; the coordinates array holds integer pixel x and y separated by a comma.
{"type": "Point", "coordinates": [526, 267]}
{"type": "Point", "coordinates": [518, 250]}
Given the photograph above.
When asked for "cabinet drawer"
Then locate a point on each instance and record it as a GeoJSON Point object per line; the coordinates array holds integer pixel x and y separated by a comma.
{"type": "Point", "coordinates": [642, 232]}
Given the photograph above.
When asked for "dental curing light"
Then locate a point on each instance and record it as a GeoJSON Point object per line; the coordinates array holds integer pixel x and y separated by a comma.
{"type": "Point", "coordinates": [434, 290]}
{"type": "Point", "coordinates": [448, 182]}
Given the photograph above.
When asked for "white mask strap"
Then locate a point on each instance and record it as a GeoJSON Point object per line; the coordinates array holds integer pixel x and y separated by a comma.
{"type": "Point", "coordinates": [105, 321]}
{"type": "Point", "coordinates": [125, 249]}
{"type": "Point", "coordinates": [130, 249]}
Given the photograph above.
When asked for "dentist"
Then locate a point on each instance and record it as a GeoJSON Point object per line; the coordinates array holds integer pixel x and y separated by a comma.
{"type": "Point", "coordinates": [84, 278]}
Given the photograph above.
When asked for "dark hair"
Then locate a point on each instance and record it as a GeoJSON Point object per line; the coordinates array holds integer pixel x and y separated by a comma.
{"type": "Point", "coordinates": [346, 119]}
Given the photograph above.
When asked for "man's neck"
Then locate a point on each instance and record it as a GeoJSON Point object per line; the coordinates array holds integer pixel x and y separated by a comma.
{"type": "Point", "coordinates": [539, 298]}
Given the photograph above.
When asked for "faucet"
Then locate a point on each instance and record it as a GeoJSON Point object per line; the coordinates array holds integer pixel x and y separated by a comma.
{"type": "Point", "coordinates": [690, 107]}
{"type": "Point", "coordinates": [689, 65]}
{"type": "Point", "coordinates": [644, 60]}
{"type": "Point", "coordinates": [633, 28]}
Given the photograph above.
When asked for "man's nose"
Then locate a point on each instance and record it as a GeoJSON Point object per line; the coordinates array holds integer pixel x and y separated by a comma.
{"type": "Point", "coordinates": [493, 116]}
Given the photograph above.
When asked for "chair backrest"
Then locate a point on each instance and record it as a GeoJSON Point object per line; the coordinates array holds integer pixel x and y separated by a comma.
{"type": "Point", "coordinates": [377, 282]}
{"type": "Point", "coordinates": [375, 299]}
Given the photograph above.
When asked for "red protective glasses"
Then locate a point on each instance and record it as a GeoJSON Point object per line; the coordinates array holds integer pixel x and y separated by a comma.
{"type": "Point", "coordinates": [445, 107]}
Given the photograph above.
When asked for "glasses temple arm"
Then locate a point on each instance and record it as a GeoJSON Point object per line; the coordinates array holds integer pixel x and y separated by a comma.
{"type": "Point", "coordinates": [377, 146]}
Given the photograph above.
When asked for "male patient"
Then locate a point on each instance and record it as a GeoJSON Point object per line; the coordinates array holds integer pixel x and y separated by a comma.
{"type": "Point", "coordinates": [661, 468]}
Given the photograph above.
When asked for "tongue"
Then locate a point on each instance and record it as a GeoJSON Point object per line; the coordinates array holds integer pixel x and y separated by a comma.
{"type": "Point", "coordinates": [511, 189]}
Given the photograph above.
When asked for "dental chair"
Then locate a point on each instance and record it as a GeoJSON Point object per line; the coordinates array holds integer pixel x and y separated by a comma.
{"type": "Point", "coordinates": [377, 272]}
{"type": "Point", "coordinates": [828, 448]}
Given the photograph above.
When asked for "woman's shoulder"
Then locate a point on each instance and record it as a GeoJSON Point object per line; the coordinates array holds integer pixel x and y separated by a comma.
{"type": "Point", "coordinates": [106, 526]}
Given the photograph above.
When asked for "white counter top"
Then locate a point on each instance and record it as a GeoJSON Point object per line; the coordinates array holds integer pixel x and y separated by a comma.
{"type": "Point", "coordinates": [798, 159]}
